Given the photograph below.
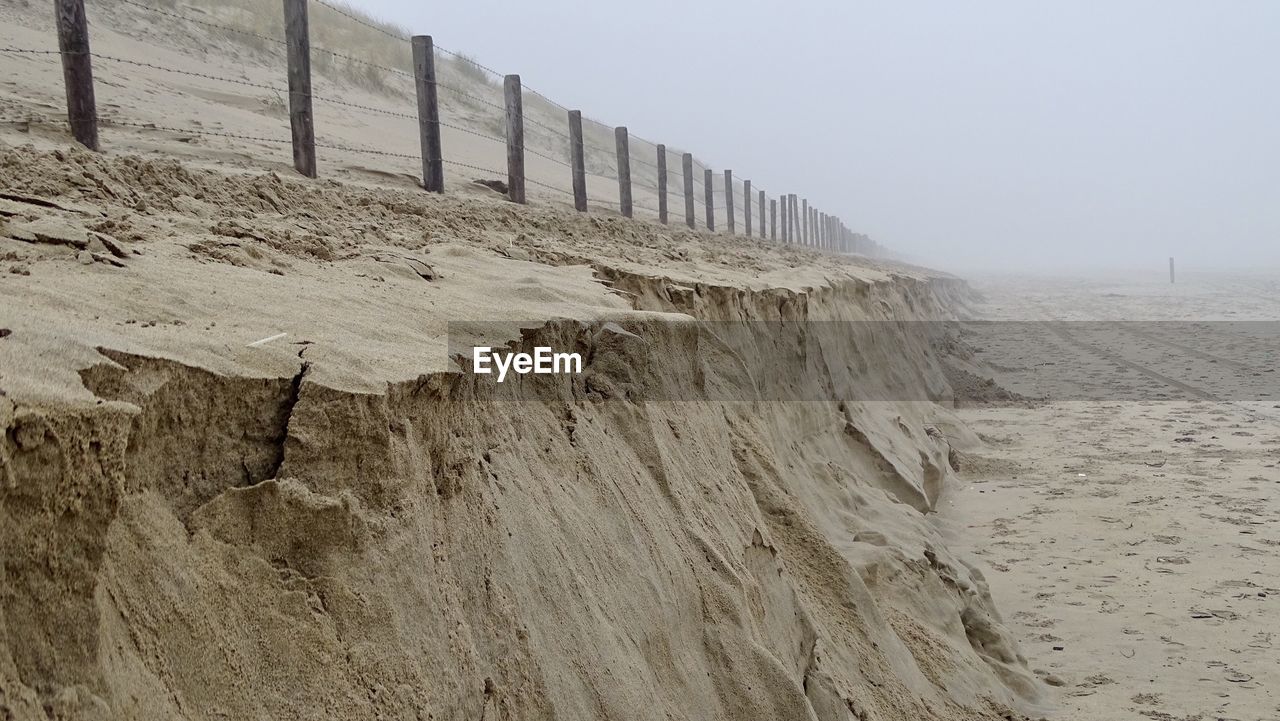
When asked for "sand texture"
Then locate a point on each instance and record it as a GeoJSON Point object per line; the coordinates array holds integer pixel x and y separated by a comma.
{"type": "Point", "coordinates": [340, 524]}
{"type": "Point", "coordinates": [1131, 542]}
{"type": "Point", "coordinates": [243, 478]}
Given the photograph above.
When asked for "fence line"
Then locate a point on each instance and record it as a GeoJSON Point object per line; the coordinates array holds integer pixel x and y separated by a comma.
{"type": "Point", "coordinates": [634, 163]}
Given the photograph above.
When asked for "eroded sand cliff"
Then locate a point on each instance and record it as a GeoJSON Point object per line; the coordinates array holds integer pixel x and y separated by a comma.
{"type": "Point", "coordinates": [342, 524]}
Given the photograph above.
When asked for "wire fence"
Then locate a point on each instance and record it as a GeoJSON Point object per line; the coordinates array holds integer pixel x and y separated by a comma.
{"type": "Point", "coordinates": [357, 93]}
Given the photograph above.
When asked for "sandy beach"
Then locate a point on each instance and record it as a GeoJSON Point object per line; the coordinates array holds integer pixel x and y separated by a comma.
{"type": "Point", "coordinates": [249, 470]}
{"type": "Point", "coordinates": [1131, 543]}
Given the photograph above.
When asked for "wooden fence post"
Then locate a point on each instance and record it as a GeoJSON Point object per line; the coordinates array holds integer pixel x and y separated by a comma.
{"type": "Point", "coordinates": [662, 184]}
{"type": "Point", "coordinates": [686, 162]}
{"type": "Point", "coordinates": [794, 218]}
{"type": "Point", "coordinates": [77, 72]}
{"type": "Point", "coordinates": [577, 159]}
{"type": "Point", "coordinates": [773, 219]}
{"type": "Point", "coordinates": [515, 138]}
{"type": "Point", "coordinates": [746, 208]}
{"type": "Point", "coordinates": [804, 222]}
{"type": "Point", "coordinates": [298, 41]}
{"type": "Point", "coordinates": [728, 199]}
{"type": "Point", "coordinates": [761, 206]}
{"type": "Point", "coordinates": [424, 76]}
{"type": "Point", "coordinates": [786, 228]}
{"type": "Point", "coordinates": [624, 170]}
{"type": "Point", "coordinates": [709, 186]}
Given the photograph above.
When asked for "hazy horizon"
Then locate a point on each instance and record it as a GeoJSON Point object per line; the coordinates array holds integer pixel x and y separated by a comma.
{"type": "Point", "coordinates": [995, 133]}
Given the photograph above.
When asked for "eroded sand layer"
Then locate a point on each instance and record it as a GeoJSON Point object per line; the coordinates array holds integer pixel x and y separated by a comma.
{"type": "Point", "coordinates": [338, 524]}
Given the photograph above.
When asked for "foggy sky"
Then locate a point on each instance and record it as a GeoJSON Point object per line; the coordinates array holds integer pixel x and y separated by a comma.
{"type": "Point", "coordinates": [1009, 133]}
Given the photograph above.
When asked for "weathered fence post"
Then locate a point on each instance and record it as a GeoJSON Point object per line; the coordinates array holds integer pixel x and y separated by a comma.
{"type": "Point", "coordinates": [515, 138]}
{"type": "Point", "coordinates": [578, 160]}
{"type": "Point", "coordinates": [802, 217]}
{"type": "Point", "coordinates": [298, 41]}
{"type": "Point", "coordinates": [804, 222]}
{"type": "Point", "coordinates": [761, 206]}
{"type": "Point", "coordinates": [728, 199]}
{"type": "Point", "coordinates": [424, 76]}
{"type": "Point", "coordinates": [794, 218]}
{"type": "Point", "coordinates": [786, 228]}
{"type": "Point", "coordinates": [686, 162]}
{"type": "Point", "coordinates": [773, 219]}
{"type": "Point", "coordinates": [77, 71]}
{"type": "Point", "coordinates": [709, 186]}
{"type": "Point", "coordinates": [624, 170]}
{"type": "Point", "coordinates": [746, 208]}
{"type": "Point", "coordinates": [662, 184]}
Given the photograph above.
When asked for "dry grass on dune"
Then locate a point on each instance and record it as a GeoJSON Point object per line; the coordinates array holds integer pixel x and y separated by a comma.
{"type": "Point", "coordinates": [363, 50]}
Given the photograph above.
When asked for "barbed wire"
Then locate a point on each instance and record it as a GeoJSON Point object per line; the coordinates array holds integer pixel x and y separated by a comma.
{"type": "Point", "coordinates": [360, 21]}
{"type": "Point", "coordinates": [190, 131]}
{"type": "Point", "coordinates": [717, 184]}
{"type": "Point", "coordinates": [464, 58]}
{"type": "Point", "coordinates": [28, 51]}
{"type": "Point", "coordinates": [178, 71]}
{"type": "Point", "coordinates": [676, 215]}
{"type": "Point", "coordinates": [465, 94]}
{"type": "Point", "coordinates": [349, 58]}
{"type": "Point", "coordinates": [206, 23]}
{"type": "Point", "coordinates": [559, 133]}
{"type": "Point", "coordinates": [473, 167]}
